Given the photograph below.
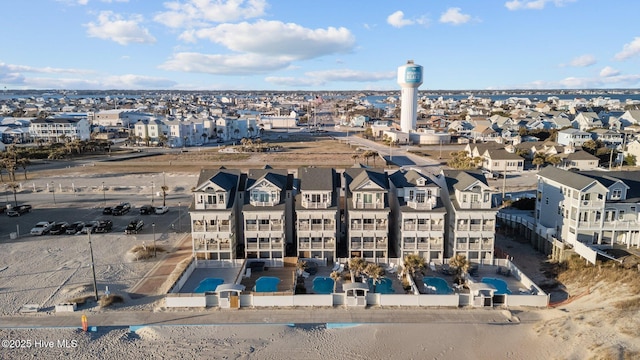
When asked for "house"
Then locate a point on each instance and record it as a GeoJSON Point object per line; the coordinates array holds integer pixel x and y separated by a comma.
{"type": "Point", "coordinates": [610, 138]}
{"type": "Point", "coordinates": [633, 148]}
{"type": "Point", "coordinates": [586, 120]}
{"type": "Point", "coordinates": [233, 128]}
{"type": "Point", "coordinates": [630, 117]}
{"type": "Point", "coordinates": [579, 159]}
{"type": "Point", "coordinates": [592, 208]}
{"type": "Point", "coordinates": [418, 216]}
{"type": "Point", "coordinates": [573, 137]}
{"type": "Point", "coordinates": [471, 216]}
{"type": "Point", "coordinates": [267, 214]}
{"type": "Point", "coordinates": [58, 129]}
{"type": "Point", "coordinates": [317, 213]}
{"type": "Point", "coordinates": [367, 213]}
{"type": "Point", "coordinates": [501, 161]}
{"type": "Point", "coordinates": [214, 214]}
{"type": "Point", "coordinates": [277, 121]}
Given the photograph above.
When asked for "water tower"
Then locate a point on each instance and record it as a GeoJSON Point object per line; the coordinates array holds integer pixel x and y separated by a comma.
{"type": "Point", "coordinates": [409, 79]}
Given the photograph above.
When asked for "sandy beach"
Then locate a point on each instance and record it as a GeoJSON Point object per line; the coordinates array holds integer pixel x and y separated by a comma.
{"type": "Point", "coordinates": [591, 326]}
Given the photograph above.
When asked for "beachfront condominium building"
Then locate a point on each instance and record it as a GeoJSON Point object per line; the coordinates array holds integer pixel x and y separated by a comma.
{"type": "Point", "coordinates": [213, 214]}
{"type": "Point", "coordinates": [367, 213]}
{"type": "Point", "coordinates": [59, 129]}
{"type": "Point", "coordinates": [267, 214]}
{"type": "Point", "coordinates": [471, 214]}
{"type": "Point", "coordinates": [317, 215]}
{"type": "Point", "coordinates": [594, 208]}
{"type": "Point", "coordinates": [419, 215]}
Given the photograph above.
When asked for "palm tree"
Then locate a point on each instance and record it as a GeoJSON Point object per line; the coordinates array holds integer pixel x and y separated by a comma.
{"type": "Point", "coordinates": [374, 155]}
{"type": "Point", "coordinates": [164, 194]}
{"type": "Point", "coordinates": [413, 263]}
{"type": "Point", "coordinates": [461, 265]}
{"type": "Point", "coordinates": [375, 273]}
{"type": "Point", "coordinates": [356, 267]}
{"type": "Point", "coordinates": [538, 160]}
{"type": "Point", "coordinates": [300, 266]}
{"type": "Point", "coordinates": [553, 160]}
{"type": "Point", "coordinates": [366, 155]}
{"type": "Point", "coordinates": [23, 163]}
{"type": "Point", "coordinates": [336, 276]}
{"type": "Point", "coordinates": [163, 139]}
{"type": "Point", "coordinates": [355, 157]}
{"type": "Point", "coordinates": [14, 187]}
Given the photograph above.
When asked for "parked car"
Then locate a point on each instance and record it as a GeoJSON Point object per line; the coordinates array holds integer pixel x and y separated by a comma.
{"type": "Point", "coordinates": [89, 227]}
{"type": "Point", "coordinates": [122, 209]}
{"type": "Point", "coordinates": [162, 210]}
{"type": "Point", "coordinates": [146, 210]}
{"type": "Point", "coordinates": [60, 227]}
{"type": "Point", "coordinates": [104, 226]}
{"type": "Point", "coordinates": [19, 210]}
{"type": "Point", "coordinates": [42, 228]}
{"type": "Point", "coordinates": [134, 226]}
{"type": "Point", "coordinates": [107, 211]}
{"type": "Point", "coordinates": [74, 228]}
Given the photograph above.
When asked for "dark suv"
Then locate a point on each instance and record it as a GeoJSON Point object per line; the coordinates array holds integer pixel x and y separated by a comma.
{"type": "Point", "coordinates": [59, 227]}
{"type": "Point", "coordinates": [121, 209]}
{"type": "Point", "coordinates": [147, 210]}
{"type": "Point", "coordinates": [134, 226]}
{"type": "Point", "coordinates": [104, 226]}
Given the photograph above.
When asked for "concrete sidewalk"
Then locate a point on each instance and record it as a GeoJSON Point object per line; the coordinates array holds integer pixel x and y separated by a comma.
{"type": "Point", "coordinates": [273, 316]}
{"type": "Point", "coordinates": [152, 283]}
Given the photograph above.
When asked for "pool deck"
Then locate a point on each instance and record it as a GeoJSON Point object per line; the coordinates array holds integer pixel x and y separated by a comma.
{"type": "Point", "coordinates": [227, 274]}
{"type": "Point", "coordinates": [483, 271]}
{"type": "Point", "coordinates": [285, 274]}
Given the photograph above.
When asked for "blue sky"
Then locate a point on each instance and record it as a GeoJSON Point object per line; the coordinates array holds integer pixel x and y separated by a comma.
{"type": "Point", "coordinates": [318, 45]}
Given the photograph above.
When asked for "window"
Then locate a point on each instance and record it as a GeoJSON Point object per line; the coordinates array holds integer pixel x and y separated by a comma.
{"type": "Point", "coordinates": [616, 194]}
{"type": "Point", "coordinates": [420, 197]}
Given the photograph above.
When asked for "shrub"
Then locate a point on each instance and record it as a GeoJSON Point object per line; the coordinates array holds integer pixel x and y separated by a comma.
{"type": "Point", "coordinates": [107, 300]}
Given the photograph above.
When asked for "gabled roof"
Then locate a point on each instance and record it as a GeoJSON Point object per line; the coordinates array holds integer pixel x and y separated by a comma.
{"type": "Point", "coordinates": [568, 178]}
{"type": "Point", "coordinates": [222, 178]}
{"type": "Point", "coordinates": [356, 177]}
{"type": "Point", "coordinates": [402, 179]}
{"type": "Point", "coordinates": [631, 179]}
{"type": "Point", "coordinates": [462, 180]}
{"type": "Point", "coordinates": [313, 178]}
{"type": "Point", "coordinates": [581, 155]}
{"type": "Point", "coordinates": [278, 177]}
{"type": "Point", "coordinates": [501, 154]}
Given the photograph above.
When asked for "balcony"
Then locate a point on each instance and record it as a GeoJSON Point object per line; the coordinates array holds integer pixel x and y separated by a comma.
{"type": "Point", "coordinates": [424, 205]}
{"type": "Point", "coordinates": [317, 245]}
{"type": "Point", "coordinates": [251, 227]}
{"type": "Point", "coordinates": [474, 246]}
{"type": "Point", "coordinates": [461, 246]}
{"type": "Point", "coordinates": [409, 226]}
{"type": "Point", "coordinates": [198, 228]}
{"type": "Point", "coordinates": [475, 227]}
{"type": "Point", "coordinates": [477, 205]}
{"type": "Point", "coordinates": [369, 245]}
{"type": "Point", "coordinates": [263, 203]}
{"type": "Point", "coordinates": [487, 246]}
{"type": "Point", "coordinates": [437, 227]}
{"type": "Point", "coordinates": [304, 227]}
{"type": "Point", "coordinates": [462, 227]}
{"type": "Point", "coordinates": [315, 205]}
{"type": "Point", "coordinates": [364, 205]}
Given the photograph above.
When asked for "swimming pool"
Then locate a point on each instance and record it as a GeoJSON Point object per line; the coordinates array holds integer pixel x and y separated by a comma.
{"type": "Point", "coordinates": [267, 284]}
{"type": "Point", "coordinates": [208, 285]}
{"type": "Point", "coordinates": [384, 286]}
{"type": "Point", "coordinates": [436, 285]}
{"type": "Point", "coordinates": [499, 284]}
{"type": "Point", "coordinates": [323, 285]}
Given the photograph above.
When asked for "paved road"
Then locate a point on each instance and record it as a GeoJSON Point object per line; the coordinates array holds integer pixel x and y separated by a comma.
{"type": "Point", "coordinates": [276, 316]}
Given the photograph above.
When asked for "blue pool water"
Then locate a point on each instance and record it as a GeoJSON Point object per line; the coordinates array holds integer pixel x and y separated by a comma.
{"type": "Point", "coordinates": [267, 284]}
{"type": "Point", "coordinates": [208, 284]}
{"type": "Point", "coordinates": [438, 285]}
{"type": "Point", "coordinates": [323, 285]}
{"type": "Point", "coordinates": [384, 286]}
{"type": "Point", "coordinates": [500, 285]}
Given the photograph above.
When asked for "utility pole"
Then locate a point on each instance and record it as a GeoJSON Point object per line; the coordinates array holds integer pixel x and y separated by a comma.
{"type": "Point", "coordinates": [93, 268]}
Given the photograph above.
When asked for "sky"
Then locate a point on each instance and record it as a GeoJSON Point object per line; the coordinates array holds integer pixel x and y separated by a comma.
{"type": "Point", "coordinates": [318, 45]}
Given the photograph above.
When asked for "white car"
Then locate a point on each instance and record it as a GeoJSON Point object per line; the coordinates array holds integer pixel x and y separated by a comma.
{"type": "Point", "coordinates": [161, 210]}
{"type": "Point", "coordinates": [42, 228]}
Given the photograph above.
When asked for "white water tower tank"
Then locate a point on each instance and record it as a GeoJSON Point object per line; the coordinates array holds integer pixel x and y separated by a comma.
{"type": "Point", "coordinates": [409, 79]}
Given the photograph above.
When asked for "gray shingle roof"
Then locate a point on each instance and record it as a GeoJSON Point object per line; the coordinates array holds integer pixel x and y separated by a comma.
{"type": "Point", "coordinates": [568, 178]}
{"type": "Point", "coordinates": [312, 178]}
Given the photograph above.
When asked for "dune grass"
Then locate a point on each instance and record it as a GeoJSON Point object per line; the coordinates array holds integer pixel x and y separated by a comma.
{"type": "Point", "coordinates": [107, 300]}
{"type": "Point", "coordinates": [144, 252]}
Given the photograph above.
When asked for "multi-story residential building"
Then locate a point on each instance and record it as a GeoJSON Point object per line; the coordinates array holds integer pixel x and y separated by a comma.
{"type": "Point", "coordinates": [471, 214]}
{"type": "Point", "coordinates": [60, 129]}
{"type": "Point", "coordinates": [573, 137]}
{"type": "Point", "coordinates": [367, 213]}
{"type": "Point", "coordinates": [592, 208]}
{"type": "Point", "coordinates": [214, 214]}
{"type": "Point", "coordinates": [230, 128]}
{"type": "Point", "coordinates": [317, 213]}
{"type": "Point", "coordinates": [118, 117]}
{"type": "Point", "coordinates": [267, 214]}
{"type": "Point", "coordinates": [502, 161]}
{"type": "Point", "coordinates": [418, 215]}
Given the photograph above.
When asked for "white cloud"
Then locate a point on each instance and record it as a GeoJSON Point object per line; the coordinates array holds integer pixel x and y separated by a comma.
{"type": "Point", "coordinates": [237, 64]}
{"type": "Point", "coordinates": [608, 71]}
{"type": "Point", "coordinates": [617, 81]}
{"type": "Point", "coordinates": [112, 1]}
{"type": "Point", "coordinates": [534, 4]}
{"type": "Point", "coordinates": [131, 81]}
{"type": "Point", "coordinates": [275, 38]}
{"type": "Point", "coordinates": [10, 68]}
{"type": "Point", "coordinates": [583, 61]}
{"type": "Point", "coordinates": [319, 78]}
{"type": "Point", "coordinates": [397, 20]}
{"type": "Point", "coordinates": [113, 27]}
{"type": "Point", "coordinates": [454, 16]}
{"type": "Point", "coordinates": [629, 50]}
{"type": "Point", "coordinates": [201, 12]}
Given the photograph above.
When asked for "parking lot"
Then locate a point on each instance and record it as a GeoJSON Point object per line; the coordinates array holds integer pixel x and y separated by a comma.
{"type": "Point", "coordinates": [51, 269]}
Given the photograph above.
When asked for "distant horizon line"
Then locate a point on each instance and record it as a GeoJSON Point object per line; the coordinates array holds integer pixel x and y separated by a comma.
{"type": "Point", "coordinates": [550, 90]}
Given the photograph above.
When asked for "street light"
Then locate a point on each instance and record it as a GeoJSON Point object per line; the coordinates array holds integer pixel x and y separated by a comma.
{"type": "Point", "coordinates": [179, 217]}
{"type": "Point", "coordinates": [153, 226]}
{"type": "Point", "coordinates": [53, 192]}
{"type": "Point", "coordinates": [153, 189]}
{"type": "Point", "coordinates": [104, 197]}
{"type": "Point", "coordinates": [93, 268]}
